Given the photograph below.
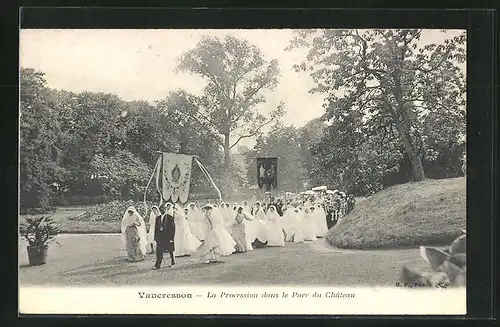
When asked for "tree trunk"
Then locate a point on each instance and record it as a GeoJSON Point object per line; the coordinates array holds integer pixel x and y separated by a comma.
{"type": "Point", "coordinates": [415, 161]}
{"type": "Point", "coordinates": [403, 128]}
{"type": "Point", "coordinates": [418, 169]}
{"type": "Point", "coordinates": [227, 157]}
{"type": "Point", "coordinates": [226, 181]}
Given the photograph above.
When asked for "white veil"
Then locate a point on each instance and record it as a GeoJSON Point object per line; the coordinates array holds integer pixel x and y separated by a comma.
{"type": "Point", "coordinates": [128, 220]}
{"type": "Point", "coordinates": [272, 215]}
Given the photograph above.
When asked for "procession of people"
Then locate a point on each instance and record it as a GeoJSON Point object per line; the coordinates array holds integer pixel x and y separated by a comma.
{"type": "Point", "coordinates": [214, 231]}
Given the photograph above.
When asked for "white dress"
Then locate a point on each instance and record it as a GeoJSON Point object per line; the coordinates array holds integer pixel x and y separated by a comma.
{"type": "Point", "coordinates": [128, 220]}
{"type": "Point", "coordinates": [260, 226]}
{"type": "Point", "coordinates": [292, 226]}
{"type": "Point", "coordinates": [217, 240]}
{"type": "Point", "coordinates": [184, 241]}
{"type": "Point", "coordinates": [195, 222]}
{"type": "Point", "coordinates": [321, 226]}
{"type": "Point", "coordinates": [249, 229]}
{"type": "Point", "coordinates": [229, 216]}
{"type": "Point", "coordinates": [308, 227]}
{"type": "Point", "coordinates": [298, 235]}
{"type": "Point", "coordinates": [274, 229]}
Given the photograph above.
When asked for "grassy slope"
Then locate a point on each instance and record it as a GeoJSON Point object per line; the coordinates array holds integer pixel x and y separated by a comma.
{"type": "Point", "coordinates": [431, 212]}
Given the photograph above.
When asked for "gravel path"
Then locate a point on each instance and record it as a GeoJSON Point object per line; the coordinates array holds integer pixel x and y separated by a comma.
{"type": "Point", "coordinates": [98, 260]}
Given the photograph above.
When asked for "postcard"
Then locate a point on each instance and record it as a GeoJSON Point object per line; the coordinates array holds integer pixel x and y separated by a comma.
{"type": "Point", "coordinates": [256, 171]}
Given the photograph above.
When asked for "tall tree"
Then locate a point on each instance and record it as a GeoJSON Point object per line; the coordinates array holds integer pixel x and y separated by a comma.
{"type": "Point", "coordinates": [97, 128]}
{"type": "Point", "coordinates": [39, 135]}
{"type": "Point", "coordinates": [237, 77]}
{"type": "Point", "coordinates": [389, 77]}
{"type": "Point", "coordinates": [346, 158]}
{"type": "Point", "coordinates": [123, 174]}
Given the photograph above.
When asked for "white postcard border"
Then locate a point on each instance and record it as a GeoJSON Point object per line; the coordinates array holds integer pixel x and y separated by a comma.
{"type": "Point", "coordinates": [195, 300]}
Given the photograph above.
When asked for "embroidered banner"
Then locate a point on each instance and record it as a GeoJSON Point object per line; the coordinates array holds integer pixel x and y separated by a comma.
{"type": "Point", "coordinates": [267, 172]}
{"type": "Point", "coordinates": [176, 176]}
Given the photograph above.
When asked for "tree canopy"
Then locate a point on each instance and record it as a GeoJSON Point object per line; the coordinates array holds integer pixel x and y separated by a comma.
{"type": "Point", "coordinates": [385, 90]}
{"type": "Point", "coordinates": [93, 144]}
{"type": "Point", "coordinates": [394, 110]}
{"type": "Point", "coordinates": [237, 77]}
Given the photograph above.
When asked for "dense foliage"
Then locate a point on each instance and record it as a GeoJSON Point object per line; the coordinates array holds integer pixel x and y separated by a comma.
{"type": "Point", "coordinates": [394, 112]}
{"type": "Point", "coordinates": [395, 105]}
{"type": "Point", "coordinates": [95, 145]}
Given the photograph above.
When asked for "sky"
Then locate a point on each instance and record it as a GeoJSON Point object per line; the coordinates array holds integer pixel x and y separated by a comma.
{"type": "Point", "coordinates": [139, 64]}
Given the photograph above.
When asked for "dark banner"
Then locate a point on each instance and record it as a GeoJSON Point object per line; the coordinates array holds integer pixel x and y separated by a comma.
{"type": "Point", "coordinates": [267, 172]}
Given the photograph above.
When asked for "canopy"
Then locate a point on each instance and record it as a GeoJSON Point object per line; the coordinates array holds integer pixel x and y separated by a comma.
{"type": "Point", "coordinates": [319, 188]}
{"type": "Point", "coordinates": [329, 192]}
{"type": "Point", "coordinates": [309, 192]}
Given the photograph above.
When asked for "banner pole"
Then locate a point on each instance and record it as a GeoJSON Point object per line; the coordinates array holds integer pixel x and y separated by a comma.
{"type": "Point", "coordinates": [162, 179]}
{"type": "Point", "coordinates": [147, 186]}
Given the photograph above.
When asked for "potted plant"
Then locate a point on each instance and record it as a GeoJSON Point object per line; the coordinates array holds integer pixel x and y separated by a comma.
{"type": "Point", "coordinates": [39, 232]}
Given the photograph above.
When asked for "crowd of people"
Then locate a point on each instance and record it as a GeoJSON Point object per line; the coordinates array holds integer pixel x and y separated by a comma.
{"type": "Point", "coordinates": [217, 230]}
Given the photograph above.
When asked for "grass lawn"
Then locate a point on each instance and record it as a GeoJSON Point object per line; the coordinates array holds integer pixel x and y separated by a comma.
{"type": "Point", "coordinates": [85, 260]}
{"type": "Point", "coordinates": [97, 219]}
{"type": "Point", "coordinates": [67, 220]}
{"type": "Point", "coordinates": [94, 219]}
{"type": "Point", "coordinates": [431, 212]}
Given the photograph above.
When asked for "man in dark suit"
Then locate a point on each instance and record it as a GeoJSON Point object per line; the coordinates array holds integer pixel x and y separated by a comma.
{"type": "Point", "coordinates": [164, 237]}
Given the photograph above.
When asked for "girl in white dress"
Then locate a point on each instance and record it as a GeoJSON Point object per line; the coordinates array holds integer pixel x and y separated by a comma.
{"type": "Point", "coordinates": [250, 227]}
{"type": "Point", "coordinates": [259, 223]}
{"type": "Point", "coordinates": [246, 207]}
{"type": "Point", "coordinates": [308, 225]}
{"type": "Point", "coordinates": [229, 216]}
{"type": "Point", "coordinates": [195, 221]}
{"type": "Point", "coordinates": [298, 236]}
{"type": "Point", "coordinates": [217, 242]}
{"type": "Point", "coordinates": [134, 235]}
{"type": "Point", "coordinates": [292, 225]}
{"type": "Point", "coordinates": [155, 212]}
{"type": "Point", "coordinates": [321, 226]}
{"type": "Point", "coordinates": [240, 231]}
{"type": "Point", "coordinates": [185, 242]}
{"type": "Point", "coordinates": [274, 228]}
{"type": "Point", "coordinates": [287, 223]}
{"type": "Point", "coordinates": [218, 210]}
